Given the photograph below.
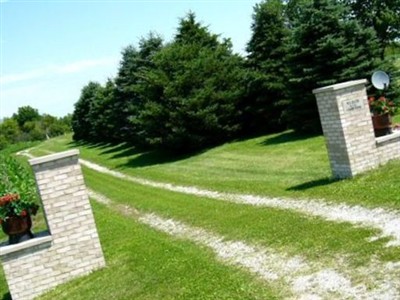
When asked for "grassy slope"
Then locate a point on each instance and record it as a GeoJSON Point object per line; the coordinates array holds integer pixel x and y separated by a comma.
{"type": "Point", "coordinates": [282, 230]}
{"type": "Point", "coordinates": [283, 164]}
{"type": "Point", "coordinates": [145, 264]}
{"type": "Point", "coordinates": [276, 165]}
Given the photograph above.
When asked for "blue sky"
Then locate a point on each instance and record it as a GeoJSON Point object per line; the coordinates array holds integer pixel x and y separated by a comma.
{"type": "Point", "coordinates": [50, 49]}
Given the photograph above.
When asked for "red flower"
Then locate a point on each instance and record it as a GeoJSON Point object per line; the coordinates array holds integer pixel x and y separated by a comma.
{"type": "Point", "coordinates": [23, 213]}
{"type": "Point", "coordinates": [8, 198]}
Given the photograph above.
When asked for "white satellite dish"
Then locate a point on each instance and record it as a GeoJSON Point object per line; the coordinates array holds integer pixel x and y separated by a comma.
{"type": "Point", "coordinates": [380, 80]}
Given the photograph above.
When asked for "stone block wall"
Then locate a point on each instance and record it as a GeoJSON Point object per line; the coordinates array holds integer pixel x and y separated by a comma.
{"type": "Point", "coordinates": [71, 247]}
{"type": "Point", "coordinates": [348, 130]}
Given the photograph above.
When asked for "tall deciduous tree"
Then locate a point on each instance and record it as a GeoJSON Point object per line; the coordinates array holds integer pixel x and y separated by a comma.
{"type": "Point", "coordinates": [9, 131]}
{"type": "Point", "coordinates": [266, 61]}
{"type": "Point", "coordinates": [26, 114]}
{"type": "Point", "coordinates": [326, 48]}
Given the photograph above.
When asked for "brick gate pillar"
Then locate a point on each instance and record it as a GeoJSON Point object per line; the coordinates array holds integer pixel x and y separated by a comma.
{"type": "Point", "coordinates": [347, 126]}
{"type": "Point", "coordinates": [70, 247]}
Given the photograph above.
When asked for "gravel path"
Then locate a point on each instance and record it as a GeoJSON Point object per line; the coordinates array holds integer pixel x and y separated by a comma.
{"type": "Point", "coordinates": [387, 221]}
{"type": "Point", "coordinates": [304, 279]}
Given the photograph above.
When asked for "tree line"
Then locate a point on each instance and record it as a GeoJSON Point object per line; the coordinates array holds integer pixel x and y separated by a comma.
{"type": "Point", "coordinates": [28, 125]}
{"type": "Point", "coordinates": [194, 91]}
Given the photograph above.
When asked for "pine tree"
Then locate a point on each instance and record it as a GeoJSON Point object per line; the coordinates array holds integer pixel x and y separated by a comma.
{"type": "Point", "coordinates": [382, 15]}
{"type": "Point", "coordinates": [267, 80]}
{"type": "Point", "coordinates": [81, 120]}
{"type": "Point", "coordinates": [326, 47]}
{"type": "Point", "coordinates": [127, 102]}
{"type": "Point", "coordinates": [192, 91]}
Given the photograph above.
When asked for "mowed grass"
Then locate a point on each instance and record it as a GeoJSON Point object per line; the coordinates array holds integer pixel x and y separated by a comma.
{"type": "Point", "coordinates": [145, 264]}
{"type": "Point", "coordinates": [284, 231]}
{"type": "Point", "coordinates": [283, 165]}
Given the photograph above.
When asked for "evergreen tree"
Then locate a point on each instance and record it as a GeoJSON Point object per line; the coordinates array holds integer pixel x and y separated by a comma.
{"type": "Point", "coordinates": [127, 102]}
{"type": "Point", "coordinates": [382, 15]}
{"type": "Point", "coordinates": [326, 47]}
{"type": "Point", "coordinates": [192, 32]}
{"type": "Point", "coordinates": [268, 78]}
{"type": "Point", "coordinates": [192, 91]}
{"type": "Point", "coordinates": [81, 119]}
{"type": "Point", "coordinates": [101, 112]}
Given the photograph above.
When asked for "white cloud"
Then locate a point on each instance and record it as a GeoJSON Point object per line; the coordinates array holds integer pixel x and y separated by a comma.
{"type": "Point", "coordinates": [52, 89]}
{"type": "Point", "coordinates": [5, 79]}
{"type": "Point", "coordinates": [74, 67]}
{"type": "Point", "coordinates": [85, 64]}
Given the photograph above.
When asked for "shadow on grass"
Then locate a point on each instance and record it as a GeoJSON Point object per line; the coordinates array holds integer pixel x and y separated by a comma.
{"type": "Point", "coordinates": [142, 157]}
{"type": "Point", "coordinates": [7, 296]}
{"type": "Point", "coordinates": [313, 183]}
{"type": "Point", "coordinates": [287, 137]}
{"type": "Point", "coordinates": [155, 157]}
{"type": "Point", "coordinates": [90, 145]}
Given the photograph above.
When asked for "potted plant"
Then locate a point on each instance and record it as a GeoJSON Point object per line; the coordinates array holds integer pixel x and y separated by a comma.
{"type": "Point", "coordinates": [15, 217]}
{"type": "Point", "coordinates": [18, 198]}
{"type": "Point", "coordinates": [381, 111]}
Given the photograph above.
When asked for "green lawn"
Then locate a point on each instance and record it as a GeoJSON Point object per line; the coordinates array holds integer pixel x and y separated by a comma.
{"type": "Point", "coordinates": [145, 264]}
{"type": "Point", "coordinates": [283, 164]}
{"type": "Point", "coordinates": [396, 119]}
{"type": "Point", "coordinates": [292, 233]}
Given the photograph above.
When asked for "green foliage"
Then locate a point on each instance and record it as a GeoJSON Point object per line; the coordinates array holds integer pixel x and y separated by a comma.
{"type": "Point", "coordinates": [192, 32]}
{"type": "Point", "coordinates": [26, 114]}
{"type": "Point", "coordinates": [326, 47]}
{"type": "Point", "coordinates": [268, 72]}
{"type": "Point", "coordinates": [183, 97]}
{"type": "Point", "coordinates": [81, 122]}
{"type": "Point", "coordinates": [382, 15]}
{"type": "Point", "coordinates": [10, 132]}
{"type": "Point", "coordinates": [15, 178]}
{"type": "Point", "coordinates": [192, 91]}
{"type": "Point", "coordinates": [382, 105]}
{"type": "Point", "coordinates": [131, 88]}
{"type": "Point", "coordinates": [28, 125]}
{"type": "Point", "coordinates": [100, 113]}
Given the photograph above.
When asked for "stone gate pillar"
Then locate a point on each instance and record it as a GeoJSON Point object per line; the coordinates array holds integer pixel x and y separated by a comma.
{"type": "Point", "coordinates": [347, 126]}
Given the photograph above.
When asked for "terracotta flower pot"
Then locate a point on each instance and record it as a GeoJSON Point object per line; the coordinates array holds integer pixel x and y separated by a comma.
{"type": "Point", "coordinates": [382, 124]}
